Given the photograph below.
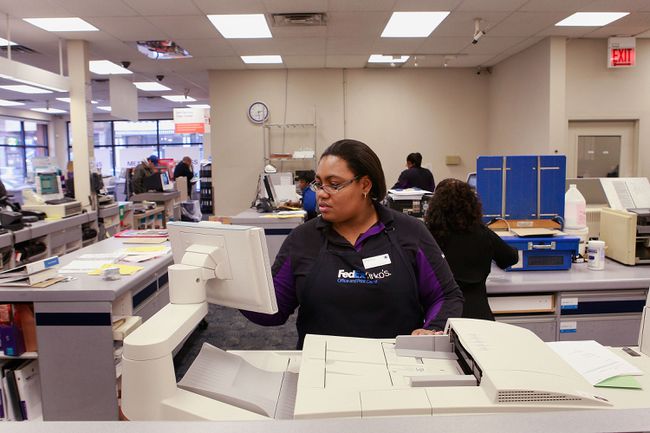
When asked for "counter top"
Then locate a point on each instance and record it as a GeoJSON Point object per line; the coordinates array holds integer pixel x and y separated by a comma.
{"type": "Point", "coordinates": [156, 196]}
{"type": "Point", "coordinates": [578, 278]}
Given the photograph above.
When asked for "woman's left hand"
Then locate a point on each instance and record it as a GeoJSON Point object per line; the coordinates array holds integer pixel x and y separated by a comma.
{"type": "Point", "coordinates": [421, 331]}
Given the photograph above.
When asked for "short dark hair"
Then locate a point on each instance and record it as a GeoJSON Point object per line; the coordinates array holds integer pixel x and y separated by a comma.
{"type": "Point", "coordinates": [415, 159]}
{"type": "Point", "coordinates": [362, 161]}
{"type": "Point", "coordinates": [307, 175]}
{"type": "Point", "coordinates": [453, 208]}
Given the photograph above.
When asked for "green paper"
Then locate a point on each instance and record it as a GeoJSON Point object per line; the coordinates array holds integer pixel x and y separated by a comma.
{"type": "Point", "coordinates": [619, 382]}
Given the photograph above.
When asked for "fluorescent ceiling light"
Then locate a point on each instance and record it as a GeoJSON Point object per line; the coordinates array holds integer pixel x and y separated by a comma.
{"type": "Point", "coordinates": [591, 19]}
{"type": "Point", "coordinates": [269, 59]}
{"type": "Point", "coordinates": [380, 58]}
{"type": "Point", "coordinates": [67, 100]}
{"type": "Point", "coordinates": [104, 107]}
{"type": "Point", "coordinates": [413, 24]}
{"type": "Point", "coordinates": [22, 88]}
{"type": "Point", "coordinates": [72, 24]}
{"type": "Point", "coordinates": [179, 98]}
{"type": "Point", "coordinates": [49, 110]}
{"type": "Point", "coordinates": [5, 103]}
{"type": "Point", "coordinates": [198, 105]}
{"type": "Point", "coordinates": [241, 26]}
{"type": "Point", "coordinates": [105, 67]}
{"type": "Point", "coordinates": [4, 43]}
{"type": "Point", "coordinates": [150, 86]}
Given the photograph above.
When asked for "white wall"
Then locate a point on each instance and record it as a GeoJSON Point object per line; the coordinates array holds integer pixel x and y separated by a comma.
{"type": "Point", "coordinates": [519, 103]}
{"type": "Point", "coordinates": [595, 92]}
{"type": "Point", "coordinates": [434, 112]}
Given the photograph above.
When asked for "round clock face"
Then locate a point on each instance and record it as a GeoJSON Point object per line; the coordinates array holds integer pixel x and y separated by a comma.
{"type": "Point", "coordinates": [258, 112]}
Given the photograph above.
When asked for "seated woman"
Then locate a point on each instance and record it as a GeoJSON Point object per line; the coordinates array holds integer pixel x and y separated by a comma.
{"type": "Point", "coordinates": [454, 219]}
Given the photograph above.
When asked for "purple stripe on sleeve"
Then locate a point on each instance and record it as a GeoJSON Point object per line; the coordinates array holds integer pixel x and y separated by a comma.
{"type": "Point", "coordinates": [285, 293]}
{"type": "Point", "coordinates": [430, 290]}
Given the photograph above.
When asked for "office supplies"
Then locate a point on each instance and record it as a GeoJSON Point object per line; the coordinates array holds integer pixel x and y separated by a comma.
{"type": "Point", "coordinates": [543, 253]}
{"type": "Point", "coordinates": [123, 269]}
{"type": "Point", "coordinates": [143, 236]}
{"type": "Point", "coordinates": [627, 234]}
{"type": "Point", "coordinates": [411, 201]}
{"type": "Point", "coordinates": [28, 384]}
{"type": "Point", "coordinates": [49, 198]}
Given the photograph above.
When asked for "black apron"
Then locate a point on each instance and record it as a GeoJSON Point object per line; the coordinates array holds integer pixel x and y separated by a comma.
{"type": "Point", "coordinates": [341, 297]}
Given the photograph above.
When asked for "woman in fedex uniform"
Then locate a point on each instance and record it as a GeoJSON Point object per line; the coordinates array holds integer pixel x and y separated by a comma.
{"type": "Point", "coordinates": [360, 269]}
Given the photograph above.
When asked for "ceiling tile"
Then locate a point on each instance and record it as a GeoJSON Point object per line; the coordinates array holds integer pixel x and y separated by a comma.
{"type": "Point", "coordinates": [569, 6]}
{"type": "Point", "coordinates": [303, 46]}
{"type": "Point", "coordinates": [346, 61]}
{"type": "Point", "coordinates": [609, 31]}
{"type": "Point", "coordinates": [292, 6]}
{"type": "Point", "coordinates": [443, 45]}
{"type": "Point", "coordinates": [620, 6]}
{"type": "Point", "coordinates": [227, 62]}
{"type": "Point", "coordinates": [526, 23]}
{"type": "Point", "coordinates": [349, 45]}
{"type": "Point", "coordinates": [230, 6]}
{"type": "Point", "coordinates": [490, 6]}
{"type": "Point", "coordinates": [207, 47]}
{"type": "Point", "coordinates": [97, 8]}
{"type": "Point", "coordinates": [396, 45]}
{"type": "Point", "coordinates": [462, 23]}
{"type": "Point", "coordinates": [345, 24]}
{"type": "Point", "coordinates": [31, 9]}
{"type": "Point", "coordinates": [299, 31]}
{"type": "Point", "coordinates": [569, 32]}
{"type": "Point", "coordinates": [426, 5]}
{"type": "Point", "coordinates": [129, 28]}
{"type": "Point", "coordinates": [251, 47]}
{"type": "Point", "coordinates": [162, 7]}
{"type": "Point", "coordinates": [361, 5]}
{"type": "Point", "coordinates": [491, 45]}
{"type": "Point", "coordinates": [185, 27]}
{"type": "Point", "coordinates": [304, 62]}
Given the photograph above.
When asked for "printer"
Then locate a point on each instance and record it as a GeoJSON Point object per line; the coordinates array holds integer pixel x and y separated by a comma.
{"type": "Point", "coordinates": [626, 234]}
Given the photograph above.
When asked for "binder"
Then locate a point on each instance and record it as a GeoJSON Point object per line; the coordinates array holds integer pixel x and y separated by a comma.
{"type": "Point", "coordinates": [11, 390]}
{"type": "Point", "coordinates": [26, 280]}
{"type": "Point", "coordinates": [31, 268]}
{"type": "Point", "coordinates": [28, 385]}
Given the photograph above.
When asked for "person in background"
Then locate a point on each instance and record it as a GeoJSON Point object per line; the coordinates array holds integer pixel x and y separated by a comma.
{"type": "Point", "coordinates": [184, 169]}
{"type": "Point", "coordinates": [454, 219]}
{"type": "Point", "coordinates": [360, 269]}
{"type": "Point", "coordinates": [69, 180]}
{"type": "Point", "coordinates": [308, 200]}
{"type": "Point", "coordinates": [415, 176]}
{"type": "Point", "coordinates": [141, 171]}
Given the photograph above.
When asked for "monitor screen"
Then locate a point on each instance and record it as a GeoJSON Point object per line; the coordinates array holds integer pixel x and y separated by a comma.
{"type": "Point", "coordinates": [166, 183]}
{"type": "Point", "coordinates": [48, 183]}
{"type": "Point", "coordinates": [250, 286]}
{"type": "Point", "coordinates": [268, 188]}
{"type": "Point", "coordinates": [471, 180]}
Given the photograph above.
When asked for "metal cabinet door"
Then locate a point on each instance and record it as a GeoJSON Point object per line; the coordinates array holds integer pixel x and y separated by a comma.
{"type": "Point", "coordinates": [552, 179]}
{"type": "Point", "coordinates": [521, 187]}
{"type": "Point", "coordinates": [489, 185]}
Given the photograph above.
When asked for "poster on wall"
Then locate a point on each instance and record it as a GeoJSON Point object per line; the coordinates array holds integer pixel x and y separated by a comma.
{"type": "Point", "coordinates": [191, 120]}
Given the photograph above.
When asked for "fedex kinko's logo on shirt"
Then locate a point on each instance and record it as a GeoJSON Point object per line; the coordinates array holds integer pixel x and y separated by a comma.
{"type": "Point", "coordinates": [360, 277]}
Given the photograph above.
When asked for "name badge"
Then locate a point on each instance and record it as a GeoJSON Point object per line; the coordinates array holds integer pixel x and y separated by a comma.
{"type": "Point", "coordinates": [373, 262]}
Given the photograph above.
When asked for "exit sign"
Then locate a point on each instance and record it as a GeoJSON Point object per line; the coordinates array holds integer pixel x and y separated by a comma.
{"type": "Point", "coordinates": [621, 52]}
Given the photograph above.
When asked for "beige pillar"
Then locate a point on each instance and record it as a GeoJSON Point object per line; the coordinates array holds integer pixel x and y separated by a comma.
{"type": "Point", "coordinates": [81, 120]}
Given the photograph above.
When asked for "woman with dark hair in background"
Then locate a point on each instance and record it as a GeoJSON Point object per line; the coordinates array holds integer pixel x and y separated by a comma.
{"type": "Point", "coordinates": [415, 176]}
{"type": "Point", "coordinates": [360, 269]}
{"type": "Point", "coordinates": [454, 219]}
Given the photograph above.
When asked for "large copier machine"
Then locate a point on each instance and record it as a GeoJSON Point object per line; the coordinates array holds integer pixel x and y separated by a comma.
{"type": "Point", "coordinates": [475, 367]}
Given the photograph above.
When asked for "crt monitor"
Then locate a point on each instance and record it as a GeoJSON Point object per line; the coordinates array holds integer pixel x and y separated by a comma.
{"type": "Point", "coordinates": [166, 183]}
{"type": "Point", "coordinates": [48, 186]}
{"type": "Point", "coordinates": [158, 182]}
{"type": "Point", "coordinates": [250, 286]}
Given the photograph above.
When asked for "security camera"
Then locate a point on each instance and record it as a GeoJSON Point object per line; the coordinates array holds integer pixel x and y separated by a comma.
{"type": "Point", "coordinates": [478, 35]}
{"type": "Point", "coordinates": [160, 77]}
{"type": "Point", "coordinates": [126, 64]}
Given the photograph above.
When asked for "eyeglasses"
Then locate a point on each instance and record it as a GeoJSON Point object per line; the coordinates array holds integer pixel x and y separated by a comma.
{"type": "Point", "coordinates": [331, 188]}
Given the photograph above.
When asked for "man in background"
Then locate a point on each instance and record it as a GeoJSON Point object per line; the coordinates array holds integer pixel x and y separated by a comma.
{"type": "Point", "coordinates": [184, 169]}
{"type": "Point", "coordinates": [142, 171]}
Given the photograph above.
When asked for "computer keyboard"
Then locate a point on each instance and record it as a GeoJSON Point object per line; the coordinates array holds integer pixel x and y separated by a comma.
{"type": "Point", "coordinates": [60, 200]}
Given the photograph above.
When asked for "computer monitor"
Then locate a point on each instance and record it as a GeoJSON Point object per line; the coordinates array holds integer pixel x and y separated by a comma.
{"type": "Point", "coordinates": [471, 180]}
{"type": "Point", "coordinates": [267, 189]}
{"type": "Point", "coordinates": [158, 182]}
{"type": "Point", "coordinates": [250, 285]}
{"type": "Point", "coordinates": [48, 186]}
{"type": "Point", "coordinates": [166, 183]}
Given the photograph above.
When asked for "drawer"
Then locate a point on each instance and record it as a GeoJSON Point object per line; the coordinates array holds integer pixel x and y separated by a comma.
{"type": "Point", "coordinates": [607, 330]}
{"type": "Point", "coordinates": [544, 327]}
{"type": "Point", "coordinates": [605, 302]}
{"type": "Point", "coordinates": [513, 304]}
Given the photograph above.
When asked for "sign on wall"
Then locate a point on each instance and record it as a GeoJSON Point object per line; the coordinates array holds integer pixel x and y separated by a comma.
{"type": "Point", "coordinates": [621, 52]}
{"type": "Point", "coordinates": [191, 120]}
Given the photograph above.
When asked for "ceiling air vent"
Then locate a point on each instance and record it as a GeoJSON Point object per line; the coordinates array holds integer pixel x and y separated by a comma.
{"type": "Point", "coordinates": [18, 49]}
{"type": "Point", "coordinates": [299, 19]}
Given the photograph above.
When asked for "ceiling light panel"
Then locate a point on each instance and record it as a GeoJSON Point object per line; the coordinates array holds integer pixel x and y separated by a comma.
{"type": "Point", "coordinates": [105, 67]}
{"type": "Point", "coordinates": [4, 43]}
{"type": "Point", "coordinates": [72, 24]}
{"type": "Point", "coordinates": [179, 98]}
{"type": "Point", "coordinates": [198, 105]}
{"type": "Point", "coordinates": [150, 86]}
{"type": "Point", "coordinates": [67, 100]}
{"type": "Point", "coordinates": [591, 19]}
{"type": "Point", "coordinates": [104, 107]}
{"type": "Point", "coordinates": [380, 58]}
{"type": "Point", "coordinates": [23, 88]}
{"type": "Point", "coordinates": [413, 24]}
{"type": "Point", "coordinates": [49, 110]}
{"type": "Point", "coordinates": [241, 26]}
{"type": "Point", "coordinates": [268, 59]}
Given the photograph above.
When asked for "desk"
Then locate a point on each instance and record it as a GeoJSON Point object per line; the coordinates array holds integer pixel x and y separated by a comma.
{"type": "Point", "coordinates": [587, 305]}
{"type": "Point", "coordinates": [74, 333]}
{"type": "Point", "coordinates": [275, 229]}
{"type": "Point", "coordinates": [169, 200]}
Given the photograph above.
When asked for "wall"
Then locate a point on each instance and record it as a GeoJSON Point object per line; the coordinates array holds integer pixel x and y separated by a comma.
{"type": "Point", "coordinates": [434, 112]}
{"type": "Point", "coordinates": [595, 92]}
{"type": "Point", "coordinates": [519, 103]}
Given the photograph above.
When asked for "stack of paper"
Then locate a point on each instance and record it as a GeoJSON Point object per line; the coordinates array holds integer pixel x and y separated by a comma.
{"type": "Point", "coordinates": [407, 194]}
{"type": "Point", "coordinates": [124, 269]}
{"type": "Point", "coordinates": [144, 253]}
{"type": "Point", "coordinates": [31, 273]}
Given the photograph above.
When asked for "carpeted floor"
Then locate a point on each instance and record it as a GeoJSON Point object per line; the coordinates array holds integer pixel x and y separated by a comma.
{"type": "Point", "coordinates": [229, 330]}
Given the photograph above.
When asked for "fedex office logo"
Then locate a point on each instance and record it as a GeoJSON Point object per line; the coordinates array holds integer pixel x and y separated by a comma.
{"type": "Point", "coordinates": [358, 277]}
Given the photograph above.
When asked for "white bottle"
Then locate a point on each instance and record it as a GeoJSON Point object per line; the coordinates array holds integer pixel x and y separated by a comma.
{"type": "Point", "coordinates": [575, 209]}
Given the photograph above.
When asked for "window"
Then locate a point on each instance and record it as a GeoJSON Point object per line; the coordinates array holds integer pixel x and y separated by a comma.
{"type": "Point", "coordinates": [21, 142]}
{"type": "Point", "coordinates": [121, 144]}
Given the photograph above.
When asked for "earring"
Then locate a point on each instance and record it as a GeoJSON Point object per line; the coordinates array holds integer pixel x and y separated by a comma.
{"type": "Point", "coordinates": [365, 195]}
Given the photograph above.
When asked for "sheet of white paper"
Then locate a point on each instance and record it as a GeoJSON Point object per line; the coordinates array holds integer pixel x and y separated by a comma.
{"type": "Point", "coordinates": [627, 192]}
{"type": "Point", "coordinates": [102, 256]}
{"type": "Point", "coordinates": [83, 266]}
{"type": "Point", "coordinates": [593, 361]}
{"type": "Point", "coordinates": [286, 193]}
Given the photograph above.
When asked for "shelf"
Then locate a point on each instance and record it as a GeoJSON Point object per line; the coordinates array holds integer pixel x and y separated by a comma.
{"type": "Point", "coordinates": [26, 355]}
{"type": "Point", "coordinates": [289, 125]}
